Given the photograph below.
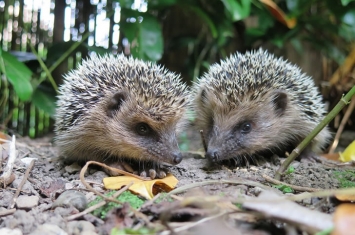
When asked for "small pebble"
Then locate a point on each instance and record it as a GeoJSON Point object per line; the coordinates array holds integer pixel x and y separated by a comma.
{"type": "Point", "coordinates": [48, 229]}
{"type": "Point", "coordinates": [73, 168]}
{"type": "Point", "coordinates": [68, 186]}
{"type": "Point", "coordinates": [71, 198]}
{"type": "Point", "coordinates": [28, 160]}
{"type": "Point", "coordinates": [8, 231]}
{"type": "Point", "coordinates": [27, 202]}
{"type": "Point", "coordinates": [81, 227]}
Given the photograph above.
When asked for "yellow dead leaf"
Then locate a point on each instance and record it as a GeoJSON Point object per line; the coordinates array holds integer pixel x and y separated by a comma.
{"type": "Point", "coordinates": [348, 154]}
{"type": "Point", "coordinates": [345, 198]}
{"type": "Point", "coordinates": [145, 188]}
{"type": "Point", "coordinates": [344, 219]}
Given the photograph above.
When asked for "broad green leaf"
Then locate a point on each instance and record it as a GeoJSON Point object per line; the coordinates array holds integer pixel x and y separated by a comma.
{"type": "Point", "coordinates": [144, 33]}
{"type": "Point", "coordinates": [45, 99]}
{"type": "Point", "coordinates": [150, 38]}
{"type": "Point", "coordinates": [347, 29]}
{"type": "Point", "coordinates": [345, 2]}
{"type": "Point", "coordinates": [18, 74]}
{"type": "Point", "coordinates": [349, 17]}
{"type": "Point", "coordinates": [130, 30]}
{"type": "Point", "coordinates": [237, 9]}
{"type": "Point", "coordinates": [347, 32]}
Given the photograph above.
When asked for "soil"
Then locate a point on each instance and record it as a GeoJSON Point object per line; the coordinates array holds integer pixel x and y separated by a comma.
{"type": "Point", "coordinates": [50, 177]}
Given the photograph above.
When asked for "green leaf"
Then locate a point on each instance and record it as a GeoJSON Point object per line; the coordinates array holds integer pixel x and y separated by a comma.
{"type": "Point", "coordinates": [284, 188]}
{"type": "Point", "coordinates": [345, 2]}
{"type": "Point", "coordinates": [45, 99]}
{"type": "Point", "coordinates": [160, 3]}
{"type": "Point", "coordinates": [144, 33]}
{"type": "Point", "coordinates": [126, 3]}
{"type": "Point", "coordinates": [237, 9]}
{"type": "Point", "coordinates": [349, 17]}
{"type": "Point", "coordinates": [151, 38]}
{"type": "Point", "coordinates": [290, 170]}
{"type": "Point", "coordinates": [18, 74]}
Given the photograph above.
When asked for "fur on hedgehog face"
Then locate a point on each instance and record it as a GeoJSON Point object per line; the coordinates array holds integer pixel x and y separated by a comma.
{"type": "Point", "coordinates": [127, 128]}
{"type": "Point", "coordinates": [239, 130]}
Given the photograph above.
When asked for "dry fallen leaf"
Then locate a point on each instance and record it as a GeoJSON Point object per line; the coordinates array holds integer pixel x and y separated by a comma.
{"type": "Point", "coordinates": [145, 188]}
{"type": "Point", "coordinates": [278, 14]}
{"type": "Point", "coordinates": [331, 156]}
{"type": "Point", "coordinates": [344, 220]}
{"type": "Point", "coordinates": [4, 145]}
{"type": "Point", "coordinates": [4, 138]}
{"type": "Point", "coordinates": [345, 198]}
{"type": "Point", "coordinates": [275, 206]}
{"type": "Point", "coordinates": [348, 154]}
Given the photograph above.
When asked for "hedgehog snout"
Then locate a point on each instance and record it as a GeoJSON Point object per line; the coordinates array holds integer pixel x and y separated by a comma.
{"type": "Point", "coordinates": [177, 157]}
{"type": "Point", "coordinates": [212, 155]}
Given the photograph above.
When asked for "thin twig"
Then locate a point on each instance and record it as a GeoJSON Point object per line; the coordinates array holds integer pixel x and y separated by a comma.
{"type": "Point", "coordinates": [295, 187]}
{"type": "Point", "coordinates": [342, 124]}
{"type": "Point", "coordinates": [203, 140]}
{"type": "Point", "coordinates": [296, 152]}
{"type": "Point", "coordinates": [7, 212]}
{"type": "Point", "coordinates": [98, 205]}
{"type": "Point", "coordinates": [19, 188]}
{"type": "Point", "coordinates": [209, 182]}
{"type": "Point", "coordinates": [43, 66]}
{"type": "Point", "coordinates": [150, 202]}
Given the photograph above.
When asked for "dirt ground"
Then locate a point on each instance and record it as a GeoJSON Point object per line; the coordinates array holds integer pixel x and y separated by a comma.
{"type": "Point", "coordinates": [34, 212]}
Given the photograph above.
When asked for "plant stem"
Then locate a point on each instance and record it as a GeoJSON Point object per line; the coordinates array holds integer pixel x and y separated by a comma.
{"type": "Point", "coordinates": [295, 153]}
{"type": "Point", "coordinates": [43, 66]}
{"type": "Point", "coordinates": [69, 51]}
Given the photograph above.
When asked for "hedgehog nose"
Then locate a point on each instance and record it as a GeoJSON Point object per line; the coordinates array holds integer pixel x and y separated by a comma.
{"type": "Point", "coordinates": [177, 157]}
{"type": "Point", "coordinates": [212, 155]}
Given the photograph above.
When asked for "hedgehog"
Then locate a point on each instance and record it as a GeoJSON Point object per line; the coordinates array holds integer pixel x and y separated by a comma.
{"type": "Point", "coordinates": [255, 104]}
{"type": "Point", "coordinates": [119, 110]}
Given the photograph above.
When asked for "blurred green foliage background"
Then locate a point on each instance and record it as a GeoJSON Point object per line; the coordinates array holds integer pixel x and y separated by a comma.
{"type": "Point", "coordinates": [186, 36]}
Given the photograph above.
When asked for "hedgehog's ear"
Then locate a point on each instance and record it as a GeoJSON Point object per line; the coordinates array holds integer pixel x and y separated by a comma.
{"type": "Point", "coordinates": [115, 102]}
{"type": "Point", "coordinates": [279, 99]}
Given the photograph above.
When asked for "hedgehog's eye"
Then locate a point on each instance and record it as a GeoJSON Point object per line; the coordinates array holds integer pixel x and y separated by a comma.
{"type": "Point", "coordinates": [245, 127]}
{"type": "Point", "coordinates": [143, 129]}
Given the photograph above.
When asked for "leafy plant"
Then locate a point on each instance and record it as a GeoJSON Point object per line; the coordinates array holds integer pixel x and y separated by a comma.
{"type": "Point", "coordinates": [126, 196]}
{"type": "Point", "coordinates": [284, 188]}
{"type": "Point", "coordinates": [346, 178]}
{"type": "Point", "coordinates": [290, 170]}
{"type": "Point", "coordinates": [141, 231]}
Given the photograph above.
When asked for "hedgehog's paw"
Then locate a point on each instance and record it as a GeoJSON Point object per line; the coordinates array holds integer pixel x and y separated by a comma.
{"type": "Point", "coordinates": [118, 165]}
{"type": "Point", "coordinates": [152, 173]}
{"type": "Point", "coordinates": [309, 156]}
